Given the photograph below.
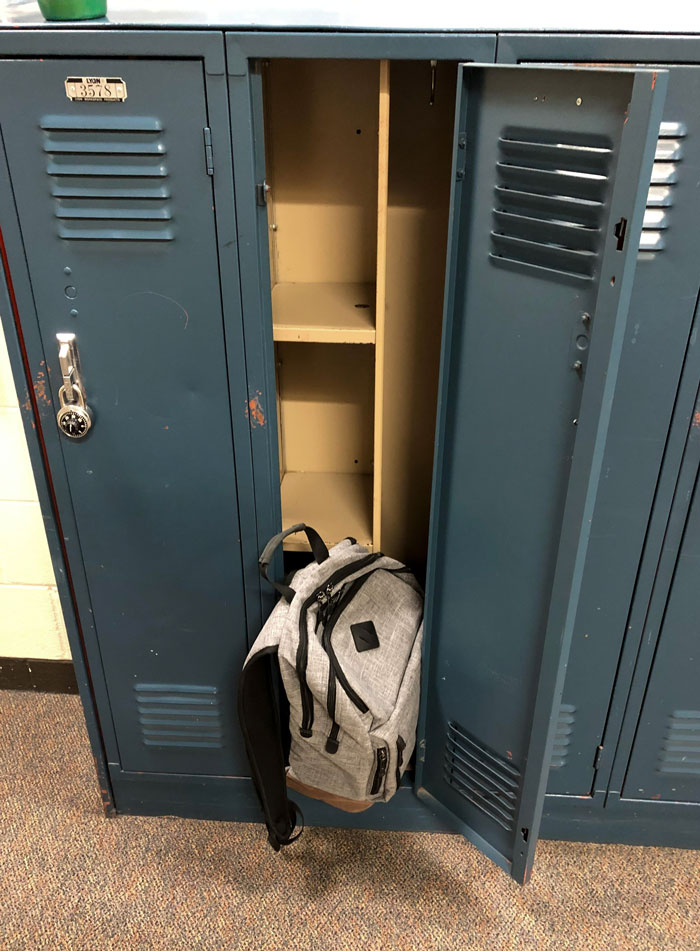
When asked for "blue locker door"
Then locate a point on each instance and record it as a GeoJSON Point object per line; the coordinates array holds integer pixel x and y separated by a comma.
{"type": "Point", "coordinates": [664, 762]}
{"type": "Point", "coordinates": [659, 325]}
{"type": "Point", "coordinates": [660, 321]}
{"type": "Point", "coordinates": [551, 171]}
{"type": "Point", "coordinates": [118, 223]}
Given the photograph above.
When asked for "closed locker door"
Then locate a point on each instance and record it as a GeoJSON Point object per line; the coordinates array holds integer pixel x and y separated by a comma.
{"type": "Point", "coordinates": [658, 329]}
{"type": "Point", "coordinates": [659, 326]}
{"type": "Point", "coordinates": [664, 763]}
{"type": "Point", "coordinates": [551, 169]}
{"type": "Point", "coordinates": [118, 223]}
{"type": "Point", "coordinates": [661, 313]}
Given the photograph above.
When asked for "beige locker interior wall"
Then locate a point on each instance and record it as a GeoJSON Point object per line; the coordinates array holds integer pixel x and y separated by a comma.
{"type": "Point", "coordinates": [326, 406]}
{"type": "Point", "coordinates": [321, 140]}
{"type": "Point", "coordinates": [31, 623]}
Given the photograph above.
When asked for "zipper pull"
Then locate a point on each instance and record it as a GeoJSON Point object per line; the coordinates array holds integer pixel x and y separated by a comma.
{"type": "Point", "coordinates": [323, 597]}
{"type": "Point", "coordinates": [382, 760]}
{"type": "Point", "coordinates": [325, 603]}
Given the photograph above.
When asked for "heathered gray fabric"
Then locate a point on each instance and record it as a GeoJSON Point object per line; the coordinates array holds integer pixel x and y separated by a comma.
{"type": "Point", "coordinates": [387, 678]}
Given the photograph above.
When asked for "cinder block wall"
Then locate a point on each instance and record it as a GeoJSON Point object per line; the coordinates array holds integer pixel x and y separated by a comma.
{"type": "Point", "coordinates": [31, 623]}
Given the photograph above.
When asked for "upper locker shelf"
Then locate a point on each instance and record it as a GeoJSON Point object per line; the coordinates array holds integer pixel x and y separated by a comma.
{"type": "Point", "coordinates": [550, 178]}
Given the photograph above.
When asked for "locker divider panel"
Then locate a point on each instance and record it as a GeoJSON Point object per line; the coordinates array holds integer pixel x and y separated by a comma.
{"type": "Point", "coordinates": [418, 197]}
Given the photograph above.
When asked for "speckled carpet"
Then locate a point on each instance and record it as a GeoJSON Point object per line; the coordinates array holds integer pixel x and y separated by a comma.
{"type": "Point", "coordinates": [70, 879]}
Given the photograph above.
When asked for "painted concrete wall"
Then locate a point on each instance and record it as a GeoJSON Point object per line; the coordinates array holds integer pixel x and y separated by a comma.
{"type": "Point", "coordinates": [31, 623]}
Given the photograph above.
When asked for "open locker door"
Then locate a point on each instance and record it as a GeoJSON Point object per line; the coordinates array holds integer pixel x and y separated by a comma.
{"type": "Point", "coordinates": [550, 175]}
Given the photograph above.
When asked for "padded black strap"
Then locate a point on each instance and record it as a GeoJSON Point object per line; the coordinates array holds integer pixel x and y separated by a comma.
{"type": "Point", "coordinates": [318, 550]}
{"type": "Point", "coordinates": [258, 712]}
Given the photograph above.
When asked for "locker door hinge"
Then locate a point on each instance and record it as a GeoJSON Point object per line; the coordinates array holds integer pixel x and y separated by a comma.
{"type": "Point", "coordinates": [261, 191]}
{"type": "Point", "coordinates": [208, 151]}
{"type": "Point", "coordinates": [596, 758]}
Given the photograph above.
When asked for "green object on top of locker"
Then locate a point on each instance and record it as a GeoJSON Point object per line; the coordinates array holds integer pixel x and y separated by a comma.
{"type": "Point", "coordinates": [73, 9]}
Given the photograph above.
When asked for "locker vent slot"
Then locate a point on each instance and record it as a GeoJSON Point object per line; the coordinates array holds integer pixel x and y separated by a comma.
{"type": "Point", "coordinates": [681, 750]}
{"type": "Point", "coordinates": [481, 776]}
{"type": "Point", "coordinates": [549, 202]}
{"type": "Point", "coordinates": [108, 177]}
{"type": "Point", "coordinates": [664, 175]}
{"type": "Point", "coordinates": [179, 715]}
{"type": "Point", "coordinates": [562, 738]}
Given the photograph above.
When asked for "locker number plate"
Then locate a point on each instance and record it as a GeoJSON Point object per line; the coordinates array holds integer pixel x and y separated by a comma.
{"type": "Point", "coordinates": [97, 88]}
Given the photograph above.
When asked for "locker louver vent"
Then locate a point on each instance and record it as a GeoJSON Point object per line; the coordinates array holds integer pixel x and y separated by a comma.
{"type": "Point", "coordinates": [549, 202]}
{"type": "Point", "coordinates": [481, 776]}
{"type": "Point", "coordinates": [664, 175]}
{"type": "Point", "coordinates": [179, 715]}
{"type": "Point", "coordinates": [681, 750]}
{"type": "Point", "coordinates": [109, 177]}
{"type": "Point", "coordinates": [562, 738]}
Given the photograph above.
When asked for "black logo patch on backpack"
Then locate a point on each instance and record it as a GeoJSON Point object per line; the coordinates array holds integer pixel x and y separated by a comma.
{"type": "Point", "coordinates": [364, 635]}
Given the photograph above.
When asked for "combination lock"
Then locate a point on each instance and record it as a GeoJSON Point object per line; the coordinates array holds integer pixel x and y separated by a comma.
{"type": "Point", "coordinates": [74, 417]}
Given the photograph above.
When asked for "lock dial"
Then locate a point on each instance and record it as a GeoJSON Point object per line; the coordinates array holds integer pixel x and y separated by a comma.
{"type": "Point", "coordinates": [74, 421]}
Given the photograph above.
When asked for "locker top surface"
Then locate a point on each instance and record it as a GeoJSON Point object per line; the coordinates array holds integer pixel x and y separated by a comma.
{"type": "Point", "coordinates": [596, 16]}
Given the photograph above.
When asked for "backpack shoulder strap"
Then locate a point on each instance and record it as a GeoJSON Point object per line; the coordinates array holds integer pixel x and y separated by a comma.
{"type": "Point", "coordinates": [258, 712]}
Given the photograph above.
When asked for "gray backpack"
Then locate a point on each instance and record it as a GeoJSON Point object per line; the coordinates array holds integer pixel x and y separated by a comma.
{"type": "Point", "coordinates": [346, 639]}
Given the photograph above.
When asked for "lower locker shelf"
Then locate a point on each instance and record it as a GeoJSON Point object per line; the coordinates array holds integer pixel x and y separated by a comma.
{"type": "Point", "coordinates": [336, 504]}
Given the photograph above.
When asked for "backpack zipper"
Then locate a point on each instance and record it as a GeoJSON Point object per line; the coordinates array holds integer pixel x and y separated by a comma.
{"type": "Point", "coordinates": [336, 672]}
{"type": "Point", "coordinates": [307, 702]}
{"type": "Point", "coordinates": [400, 747]}
{"type": "Point", "coordinates": [382, 760]}
{"type": "Point", "coordinates": [340, 606]}
{"type": "Point", "coordinates": [334, 667]}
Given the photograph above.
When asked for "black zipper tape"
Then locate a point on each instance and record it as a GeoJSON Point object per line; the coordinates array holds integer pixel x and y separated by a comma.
{"type": "Point", "coordinates": [302, 658]}
{"type": "Point", "coordinates": [380, 771]}
{"type": "Point", "coordinates": [328, 647]}
{"type": "Point", "coordinates": [338, 608]}
{"type": "Point", "coordinates": [336, 671]}
{"type": "Point", "coordinates": [400, 747]}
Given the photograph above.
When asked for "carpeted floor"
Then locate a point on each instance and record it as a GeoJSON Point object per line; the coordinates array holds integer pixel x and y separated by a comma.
{"type": "Point", "coordinates": [71, 879]}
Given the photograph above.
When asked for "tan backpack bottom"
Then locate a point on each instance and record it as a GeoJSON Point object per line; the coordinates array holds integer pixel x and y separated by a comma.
{"type": "Point", "coordinates": [340, 802]}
